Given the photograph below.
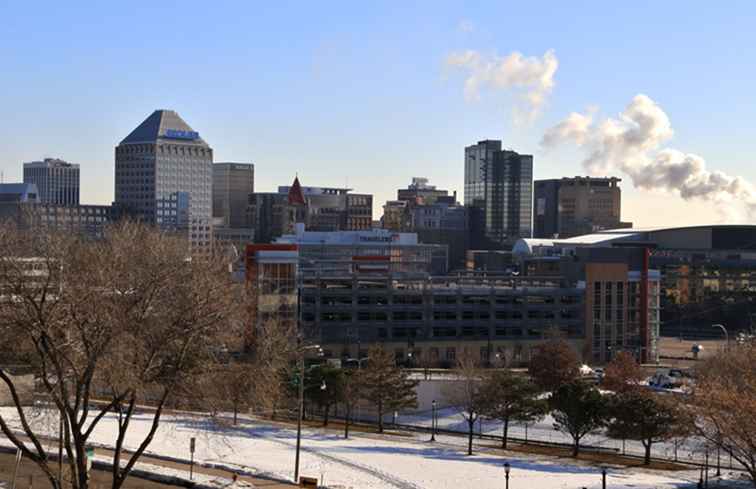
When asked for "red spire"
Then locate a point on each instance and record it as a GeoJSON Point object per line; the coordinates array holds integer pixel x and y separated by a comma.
{"type": "Point", "coordinates": [295, 193]}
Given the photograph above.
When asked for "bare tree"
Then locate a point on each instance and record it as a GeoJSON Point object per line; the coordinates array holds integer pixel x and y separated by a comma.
{"type": "Point", "coordinates": [231, 386]}
{"type": "Point", "coordinates": [623, 373]}
{"type": "Point", "coordinates": [273, 346]}
{"type": "Point", "coordinates": [351, 394]}
{"type": "Point", "coordinates": [466, 393]}
{"type": "Point", "coordinates": [129, 319]}
{"type": "Point", "coordinates": [724, 403]}
{"type": "Point", "coordinates": [553, 364]}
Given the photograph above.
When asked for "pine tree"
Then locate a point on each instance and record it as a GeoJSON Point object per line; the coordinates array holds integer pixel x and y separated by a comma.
{"type": "Point", "coordinates": [511, 397]}
{"type": "Point", "coordinates": [387, 386]}
{"type": "Point", "coordinates": [324, 386]}
{"type": "Point", "coordinates": [644, 416]}
{"type": "Point", "coordinates": [578, 409]}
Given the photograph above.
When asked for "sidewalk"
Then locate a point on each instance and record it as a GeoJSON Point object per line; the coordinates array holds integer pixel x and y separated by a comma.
{"type": "Point", "coordinates": [29, 468]}
{"type": "Point", "coordinates": [198, 469]}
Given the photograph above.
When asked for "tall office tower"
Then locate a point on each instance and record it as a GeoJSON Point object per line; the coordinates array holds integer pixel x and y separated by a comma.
{"type": "Point", "coordinates": [499, 183]}
{"type": "Point", "coordinates": [232, 185]}
{"type": "Point", "coordinates": [57, 181]}
{"type": "Point", "coordinates": [568, 207]}
{"type": "Point", "coordinates": [546, 208]}
{"type": "Point", "coordinates": [164, 176]}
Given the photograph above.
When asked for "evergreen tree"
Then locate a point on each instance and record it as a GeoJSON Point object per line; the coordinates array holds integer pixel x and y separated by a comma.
{"type": "Point", "coordinates": [387, 386]}
{"type": "Point", "coordinates": [644, 416]}
{"type": "Point", "coordinates": [324, 386]}
{"type": "Point", "coordinates": [511, 397]}
{"type": "Point", "coordinates": [578, 409]}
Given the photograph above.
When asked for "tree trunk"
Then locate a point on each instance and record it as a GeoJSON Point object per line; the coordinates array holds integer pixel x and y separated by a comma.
{"type": "Point", "coordinates": [347, 415]}
{"type": "Point", "coordinates": [236, 411]}
{"type": "Point", "coordinates": [325, 414]}
{"type": "Point", "coordinates": [380, 417]}
{"type": "Point", "coordinates": [576, 447]}
{"type": "Point", "coordinates": [647, 458]}
{"type": "Point", "coordinates": [504, 434]}
{"type": "Point", "coordinates": [471, 424]}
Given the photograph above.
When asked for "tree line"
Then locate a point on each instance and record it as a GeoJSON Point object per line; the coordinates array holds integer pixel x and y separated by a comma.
{"type": "Point", "coordinates": [135, 319]}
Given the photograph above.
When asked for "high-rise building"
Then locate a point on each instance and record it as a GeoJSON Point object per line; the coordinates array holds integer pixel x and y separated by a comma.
{"type": "Point", "coordinates": [57, 181]}
{"type": "Point", "coordinates": [232, 184]}
{"type": "Point", "coordinates": [164, 176]}
{"type": "Point", "coordinates": [499, 183]}
{"type": "Point", "coordinates": [569, 207]}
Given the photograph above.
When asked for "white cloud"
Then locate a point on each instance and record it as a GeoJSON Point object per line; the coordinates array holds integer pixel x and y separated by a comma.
{"type": "Point", "coordinates": [632, 144]}
{"type": "Point", "coordinates": [531, 77]}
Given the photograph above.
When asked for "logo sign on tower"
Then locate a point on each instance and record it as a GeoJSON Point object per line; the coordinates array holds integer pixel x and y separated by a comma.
{"type": "Point", "coordinates": [178, 134]}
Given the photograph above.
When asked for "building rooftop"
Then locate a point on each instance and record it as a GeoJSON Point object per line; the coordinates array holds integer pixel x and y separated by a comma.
{"type": "Point", "coordinates": [164, 125]}
{"type": "Point", "coordinates": [50, 163]}
{"type": "Point", "coordinates": [705, 236]}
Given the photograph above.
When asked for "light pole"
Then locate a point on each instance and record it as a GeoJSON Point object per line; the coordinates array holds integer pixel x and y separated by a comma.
{"type": "Point", "coordinates": [727, 336]}
{"type": "Point", "coordinates": [433, 420]}
{"type": "Point", "coordinates": [506, 474]}
{"type": "Point", "coordinates": [302, 351]}
{"type": "Point", "coordinates": [603, 477]}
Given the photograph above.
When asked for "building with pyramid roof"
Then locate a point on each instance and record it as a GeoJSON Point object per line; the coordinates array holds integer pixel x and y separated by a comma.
{"type": "Point", "coordinates": [164, 176]}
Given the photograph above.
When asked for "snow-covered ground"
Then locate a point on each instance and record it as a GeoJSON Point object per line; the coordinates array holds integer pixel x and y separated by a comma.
{"type": "Point", "coordinates": [370, 461]}
{"type": "Point", "coordinates": [543, 430]}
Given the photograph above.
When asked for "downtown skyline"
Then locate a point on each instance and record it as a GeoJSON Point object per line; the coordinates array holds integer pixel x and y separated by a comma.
{"type": "Point", "coordinates": [370, 97]}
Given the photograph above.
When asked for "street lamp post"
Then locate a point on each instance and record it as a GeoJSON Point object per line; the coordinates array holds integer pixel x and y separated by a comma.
{"type": "Point", "coordinates": [433, 420]}
{"type": "Point", "coordinates": [506, 474]}
{"type": "Point", "coordinates": [302, 351]}
{"type": "Point", "coordinates": [603, 477]}
{"type": "Point", "coordinates": [727, 336]}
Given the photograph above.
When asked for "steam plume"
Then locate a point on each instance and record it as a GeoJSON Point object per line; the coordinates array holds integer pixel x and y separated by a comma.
{"type": "Point", "coordinates": [632, 144]}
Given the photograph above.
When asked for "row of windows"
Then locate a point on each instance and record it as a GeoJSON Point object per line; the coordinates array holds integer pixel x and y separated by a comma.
{"type": "Point", "coordinates": [418, 299]}
{"type": "Point", "coordinates": [163, 149]}
{"type": "Point", "coordinates": [465, 332]}
{"type": "Point", "coordinates": [345, 316]}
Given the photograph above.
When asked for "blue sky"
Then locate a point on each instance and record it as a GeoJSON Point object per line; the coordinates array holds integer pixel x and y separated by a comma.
{"type": "Point", "coordinates": [347, 93]}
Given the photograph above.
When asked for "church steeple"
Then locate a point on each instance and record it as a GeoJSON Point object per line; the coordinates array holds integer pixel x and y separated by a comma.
{"type": "Point", "coordinates": [296, 197]}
